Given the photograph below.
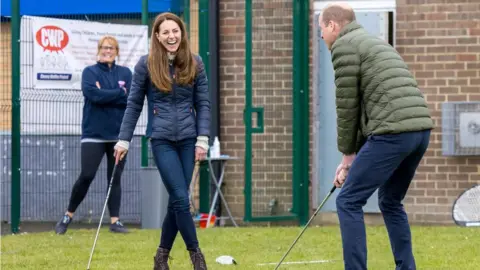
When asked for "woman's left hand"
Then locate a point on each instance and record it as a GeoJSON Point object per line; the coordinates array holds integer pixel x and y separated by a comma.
{"type": "Point", "coordinates": [200, 153]}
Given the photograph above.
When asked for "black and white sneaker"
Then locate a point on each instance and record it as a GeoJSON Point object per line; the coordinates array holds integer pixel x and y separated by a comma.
{"type": "Point", "coordinates": [62, 225]}
{"type": "Point", "coordinates": [118, 227]}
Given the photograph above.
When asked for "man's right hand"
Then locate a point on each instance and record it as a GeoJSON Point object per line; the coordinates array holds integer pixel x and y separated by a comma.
{"type": "Point", "coordinates": [341, 175]}
{"type": "Point", "coordinates": [340, 178]}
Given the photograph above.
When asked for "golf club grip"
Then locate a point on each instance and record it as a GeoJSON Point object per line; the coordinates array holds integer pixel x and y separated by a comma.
{"type": "Point", "coordinates": [114, 171]}
{"type": "Point", "coordinates": [333, 189]}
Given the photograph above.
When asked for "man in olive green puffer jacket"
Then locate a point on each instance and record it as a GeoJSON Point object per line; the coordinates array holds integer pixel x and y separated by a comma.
{"type": "Point", "coordinates": [383, 126]}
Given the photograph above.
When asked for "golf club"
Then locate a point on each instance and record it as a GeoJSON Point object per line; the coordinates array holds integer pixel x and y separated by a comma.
{"type": "Point", "coordinates": [103, 212]}
{"type": "Point", "coordinates": [306, 226]}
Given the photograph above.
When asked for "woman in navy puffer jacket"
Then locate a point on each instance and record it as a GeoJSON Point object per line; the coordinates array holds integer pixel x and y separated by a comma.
{"type": "Point", "coordinates": [175, 83]}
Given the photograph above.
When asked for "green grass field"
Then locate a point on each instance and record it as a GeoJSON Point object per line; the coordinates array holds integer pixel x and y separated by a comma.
{"type": "Point", "coordinates": [448, 248]}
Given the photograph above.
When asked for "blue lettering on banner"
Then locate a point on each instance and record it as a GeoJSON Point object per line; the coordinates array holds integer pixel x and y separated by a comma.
{"type": "Point", "coordinates": [54, 77]}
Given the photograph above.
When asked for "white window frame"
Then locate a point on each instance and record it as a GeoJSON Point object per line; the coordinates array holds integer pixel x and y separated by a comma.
{"type": "Point", "coordinates": [360, 5]}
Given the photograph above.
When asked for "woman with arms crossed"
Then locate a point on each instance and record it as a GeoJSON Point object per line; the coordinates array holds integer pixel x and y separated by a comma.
{"type": "Point", "coordinates": [175, 83]}
{"type": "Point", "coordinates": [105, 89]}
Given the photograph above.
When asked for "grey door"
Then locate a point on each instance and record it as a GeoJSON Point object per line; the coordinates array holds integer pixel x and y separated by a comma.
{"type": "Point", "coordinates": [328, 156]}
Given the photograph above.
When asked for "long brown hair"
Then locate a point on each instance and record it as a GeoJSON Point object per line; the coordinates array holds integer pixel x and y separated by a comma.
{"type": "Point", "coordinates": [185, 64]}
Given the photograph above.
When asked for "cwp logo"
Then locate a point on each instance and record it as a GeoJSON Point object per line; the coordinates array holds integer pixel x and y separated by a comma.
{"type": "Point", "coordinates": [52, 38]}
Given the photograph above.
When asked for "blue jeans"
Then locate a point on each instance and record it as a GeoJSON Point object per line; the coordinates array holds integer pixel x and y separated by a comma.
{"type": "Point", "coordinates": [387, 163]}
{"type": "Point", "coordinates": [175, 162]}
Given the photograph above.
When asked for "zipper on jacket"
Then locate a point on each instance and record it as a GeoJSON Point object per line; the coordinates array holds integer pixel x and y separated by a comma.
{"type": "Point", "coordinates": [176, 114]}
{"type": "Point", "coordinates": [174, 100]}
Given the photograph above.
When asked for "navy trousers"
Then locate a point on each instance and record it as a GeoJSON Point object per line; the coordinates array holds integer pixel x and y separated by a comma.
{"type": "Point", "coordinates": [175, 161]}
{"type": "Point", "coordinates": [387, 163]}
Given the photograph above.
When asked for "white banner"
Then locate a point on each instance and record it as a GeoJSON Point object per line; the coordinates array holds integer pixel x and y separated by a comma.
{"type": "Point", "coordinates": [63, 48]}
{"type": "Point", "coordinates": [54, 53]}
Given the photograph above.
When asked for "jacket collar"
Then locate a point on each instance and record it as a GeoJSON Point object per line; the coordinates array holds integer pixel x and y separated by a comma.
{"type": "Point", "coordinates": [104, 66]}
{"type": "Point", "coordinates": [350, 27]}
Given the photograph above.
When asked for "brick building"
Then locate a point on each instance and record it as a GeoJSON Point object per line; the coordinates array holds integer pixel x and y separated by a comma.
{"type": "Point", "coordinates": [440, 43]}
{"type": "Point", "coordinates": [439, 40]}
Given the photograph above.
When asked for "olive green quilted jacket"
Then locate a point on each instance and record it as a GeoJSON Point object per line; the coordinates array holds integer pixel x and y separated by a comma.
{"type": "Point", "coordinates": [376, 93]}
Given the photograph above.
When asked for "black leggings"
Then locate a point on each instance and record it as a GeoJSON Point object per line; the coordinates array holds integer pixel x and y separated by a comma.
{"type": "Point", "coordinates": [91, 156]}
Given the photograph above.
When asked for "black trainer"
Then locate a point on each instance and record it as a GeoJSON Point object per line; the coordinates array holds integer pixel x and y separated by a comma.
{"type": "Point", "coordinates": [118, 227]}
{"type": "Point", "coordinates": [62, 225]}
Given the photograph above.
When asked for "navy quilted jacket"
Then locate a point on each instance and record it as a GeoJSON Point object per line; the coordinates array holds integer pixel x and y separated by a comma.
{"type": "Point", "coordinates": [104, 105]}
{"type": "Point", "coordinates": [182, 113]}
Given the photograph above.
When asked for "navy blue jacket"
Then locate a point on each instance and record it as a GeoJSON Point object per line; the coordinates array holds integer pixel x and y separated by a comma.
{"type": "Point", "coordinates": [182, 113]}
{"type": "Point", "coordinates": [104, 108]}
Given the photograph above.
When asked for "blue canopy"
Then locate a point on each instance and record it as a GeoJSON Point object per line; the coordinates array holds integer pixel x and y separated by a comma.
{"type": "Point", "coordinates": [87, 7]}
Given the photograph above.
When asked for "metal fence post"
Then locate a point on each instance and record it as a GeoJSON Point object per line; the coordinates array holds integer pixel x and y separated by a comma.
{"type": "Point", "coordinates": [145, 12]}
{"type": "Point", "coordinates": [186, 14]}
{"type": "Point", "coordinates": [144, 144]}
{"type": "Point", "coordinates": [247, 118]}
{"type": "Point", "coordinates": [305, 101]}
{"type": "Point", "coordinates": [144, 147]}
{"type": "Point", "coordinates": [203, 50]}
{"type": "Point", "coordinates": [16, 151]}
{"type": "Point", "coordinates": [301, 110]}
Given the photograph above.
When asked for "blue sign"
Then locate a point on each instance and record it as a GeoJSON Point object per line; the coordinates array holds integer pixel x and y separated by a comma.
{"type": "Point", "coordinates": [88, 7]}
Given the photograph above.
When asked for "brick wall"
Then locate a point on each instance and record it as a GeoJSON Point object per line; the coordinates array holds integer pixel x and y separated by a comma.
{"type": "Point", "coordinates": [193, 36]}
{"type": "Point", "coordinates": [5, 77]}
{"type": "Point", "coordinates": [441, 45]}
{"type": "Point", "coordinates": [272, 89]}
{"type": "Point", "coordinates": [439, 42]}
{"type": "Point", "coordinates": [232, 77]}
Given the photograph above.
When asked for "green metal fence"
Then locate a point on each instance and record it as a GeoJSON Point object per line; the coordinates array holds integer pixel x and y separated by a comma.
{"type": "Point", "coordinates": [276, 110]}
{"type": "Point", "coordinates": [38, 170]}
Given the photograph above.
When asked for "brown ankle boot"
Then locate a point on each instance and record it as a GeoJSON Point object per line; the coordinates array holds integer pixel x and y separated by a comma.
{"type": "Point", "coordinates": [160, 261]}
{"type": "Point", "coordinates": [198, 260]}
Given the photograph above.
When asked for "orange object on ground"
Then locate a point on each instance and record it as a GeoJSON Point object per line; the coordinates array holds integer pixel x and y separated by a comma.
{"type": "Point", "coordinates": [204, 218]}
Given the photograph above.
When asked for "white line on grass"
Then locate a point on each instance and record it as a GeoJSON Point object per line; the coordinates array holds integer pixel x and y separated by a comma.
{"type": "Point", "coordinates": [299, 262]}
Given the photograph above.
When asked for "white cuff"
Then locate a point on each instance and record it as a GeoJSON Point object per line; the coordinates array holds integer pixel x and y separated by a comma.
{"type": "Point", "coordinates": [123, 144]}
{"type": "Point", "coordinates": [202, 141]}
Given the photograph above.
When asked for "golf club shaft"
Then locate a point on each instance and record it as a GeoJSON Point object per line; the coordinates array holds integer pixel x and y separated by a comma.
{"type": "Point", "coordinates": [306, 226]}
{"type": "Point", "coordinates": [101, 218]}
